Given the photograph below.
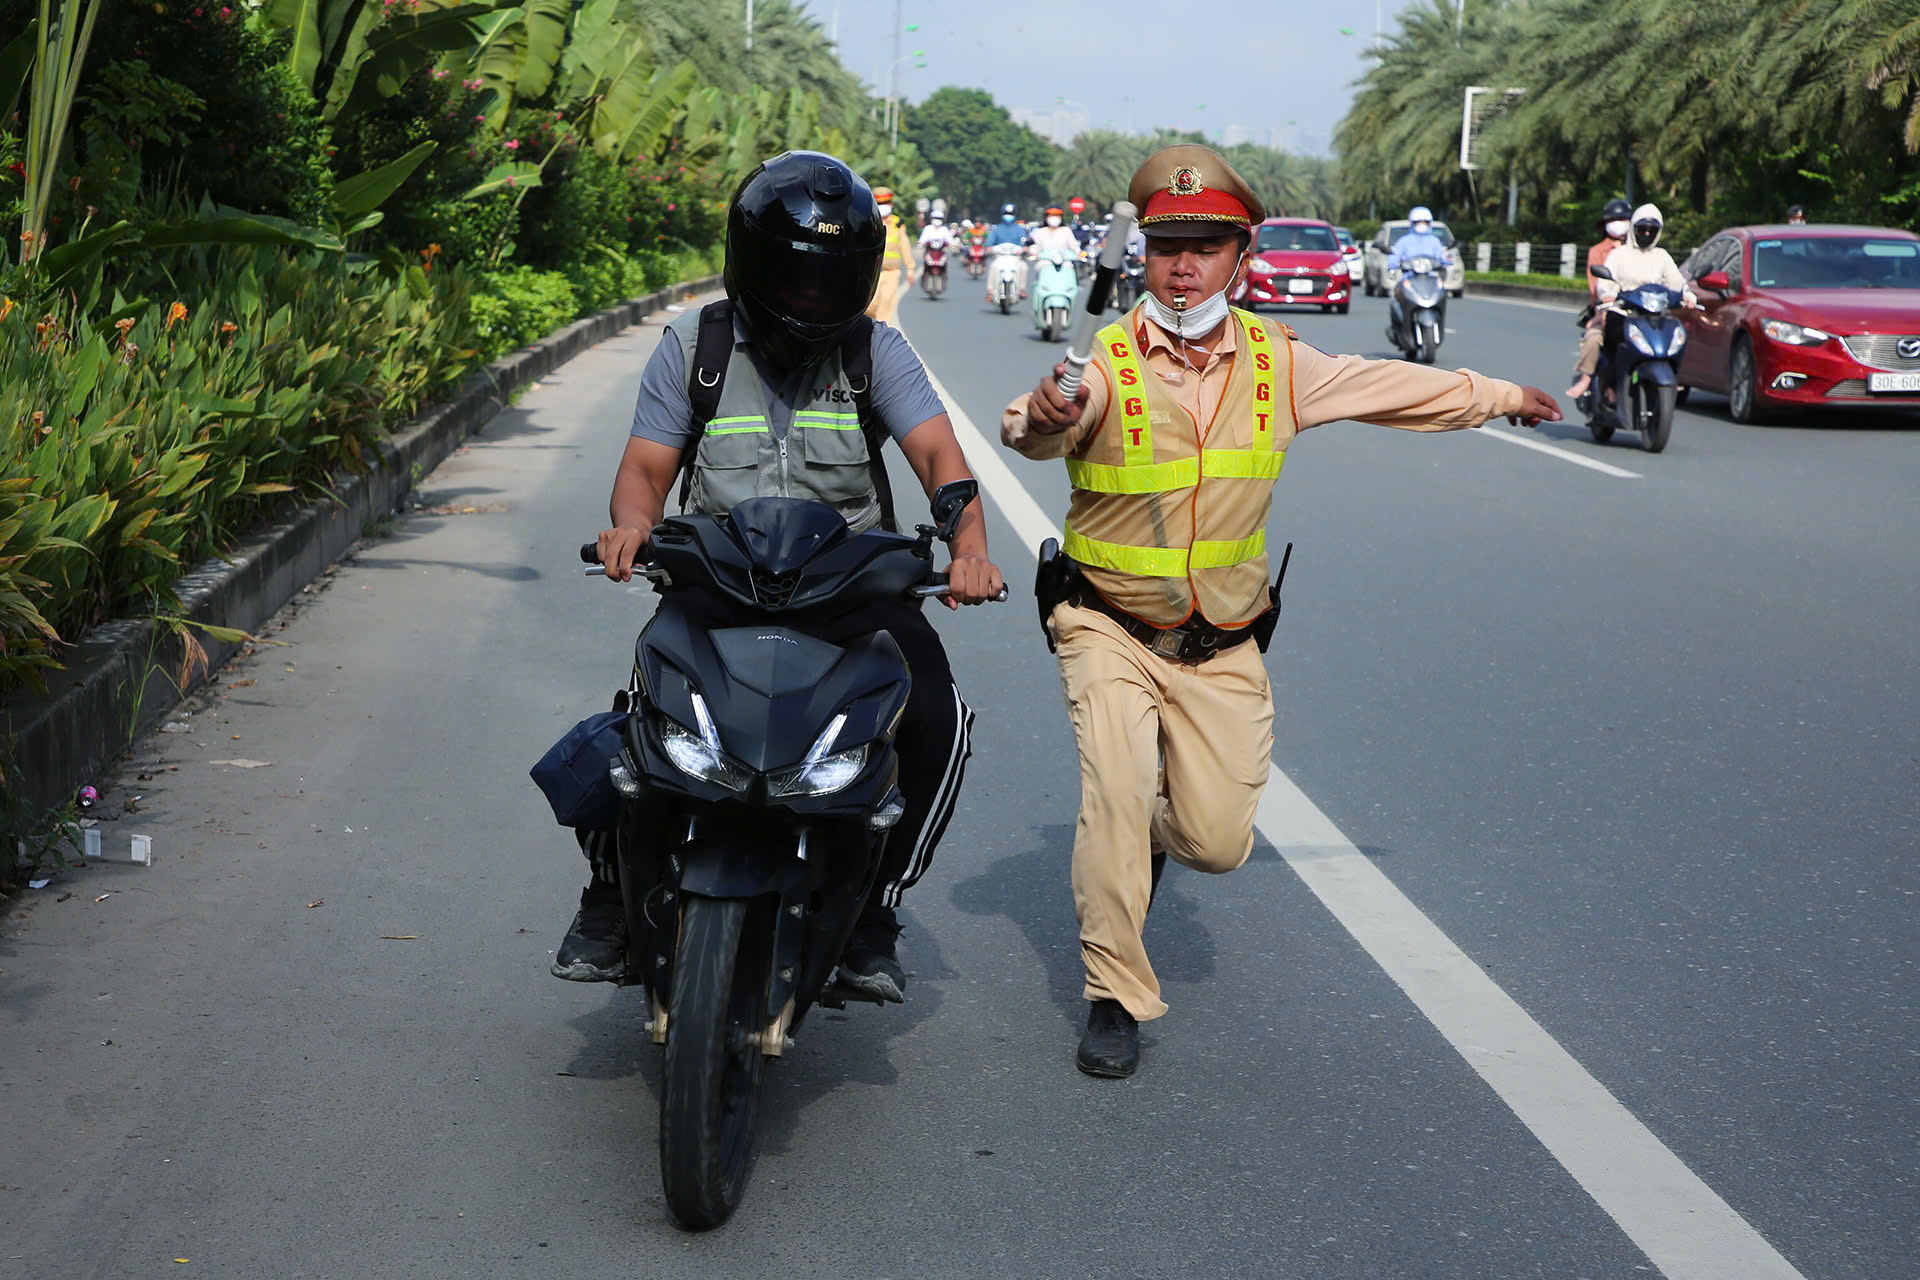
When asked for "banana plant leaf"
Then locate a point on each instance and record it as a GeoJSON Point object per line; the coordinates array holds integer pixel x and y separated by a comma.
{"type": "Point", "coordinates": [513, 173]}
{"type": "Point", "coordinates": [355, 197]}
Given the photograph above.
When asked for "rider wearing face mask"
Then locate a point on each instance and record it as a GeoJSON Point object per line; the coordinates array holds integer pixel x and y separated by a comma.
{"type": "Point", "coordinates": [1007, 231]}
{"type": "Point", "coordinates": [899, 258]}
{"type": "Point", "coordinates": [1053, 235]}
{"type": "Point", "coordinates": [1419, 241]}
{"type": "Point", "coordinates": [1640, 260]}
{"type": "Point", "coordinates": [1615, 219]}
{"type": "Point", "coordinates": [1172, 449]}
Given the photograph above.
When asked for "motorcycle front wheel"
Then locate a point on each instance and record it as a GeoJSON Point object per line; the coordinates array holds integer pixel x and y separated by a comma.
{"type": "Point", "coordinates": [1653, 414]}
{"type": "Point", "coordinates": [711, 1085]}
{"type": "Point", "coordinates": [1006, 304]}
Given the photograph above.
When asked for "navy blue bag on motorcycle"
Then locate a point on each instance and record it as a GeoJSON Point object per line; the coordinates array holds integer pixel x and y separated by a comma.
{"type": "Point", "coordinates": [573, 773]}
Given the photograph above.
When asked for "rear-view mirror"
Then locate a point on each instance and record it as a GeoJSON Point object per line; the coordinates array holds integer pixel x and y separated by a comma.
{"type": "Point", "coordinates": [1717, 281]}
{"type": "Point", "coordinates": [949, 500]}
{"type": "Point", "coordinates": [1599, 272]}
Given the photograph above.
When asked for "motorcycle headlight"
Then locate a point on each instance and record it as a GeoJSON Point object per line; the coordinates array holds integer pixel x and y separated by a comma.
{"type": "Point", "coordinates": [1676, 340]}
{"type": "Point", "coordinates": [1423, 264]}
{"type": "Point", "coordinates": [1638, 337]}
{"type": "Point", "coordinates": [1794, 335]}
{"type": "Point", "coordinates": [825, 770]}
{"type": "Point", "coordinates": [698, 755]}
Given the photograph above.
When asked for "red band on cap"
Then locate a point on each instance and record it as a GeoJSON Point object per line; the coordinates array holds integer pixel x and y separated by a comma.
{"type": "Point", "coordinates": [1210, 205]}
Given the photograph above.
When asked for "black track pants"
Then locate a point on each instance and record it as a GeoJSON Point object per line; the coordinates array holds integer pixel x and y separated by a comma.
{"type": "Point", "coordinates": [934, 740]}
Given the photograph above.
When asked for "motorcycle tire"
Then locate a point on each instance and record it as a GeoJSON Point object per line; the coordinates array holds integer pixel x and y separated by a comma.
{"type": "Point", "coordinates": [1601, 431]}
{"type": "Point", "coordinates": [1005, 306]}
{"type": "Point", "coordinates": [710, 1087]}
{"type": "Point", "coordinates": [1429, 346]}
{"type": "Point", "coordinates": [1653, 415]}
{"type": "Point", "coordinates": [1343, 308]}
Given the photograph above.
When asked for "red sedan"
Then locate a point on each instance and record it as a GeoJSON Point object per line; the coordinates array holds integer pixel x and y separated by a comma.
{"type": "Point", "coordinates": [1806, 316]}
{"type": "Point", "coordinates": [1296, 261]}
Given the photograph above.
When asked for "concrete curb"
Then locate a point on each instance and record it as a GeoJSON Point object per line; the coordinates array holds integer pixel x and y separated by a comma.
{"type": "Point", "coordinates": [1571, 299]}
{"type": "Point", "coordinates": [119, 679]}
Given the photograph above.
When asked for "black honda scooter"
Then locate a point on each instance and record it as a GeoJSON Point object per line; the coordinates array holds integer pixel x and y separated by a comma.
{"type": "Point", "coordinates": [759, 784]}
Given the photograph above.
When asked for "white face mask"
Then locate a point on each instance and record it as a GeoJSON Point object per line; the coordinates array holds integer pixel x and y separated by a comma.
{"type": "Point", "coordinates": [1196, 318]}
{"type": "Point", "coordinates": [1053, 222]}
{"type": "Point", "coordinates": [886, 211]}
{"type": "Point", "coordinates": [1617, 229]}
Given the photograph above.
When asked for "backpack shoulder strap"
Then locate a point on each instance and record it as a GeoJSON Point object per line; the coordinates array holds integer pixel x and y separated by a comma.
{"type": "Point", "coordinates": [856, 362]}
{"type": "Point", "coordinates": [706, 377]}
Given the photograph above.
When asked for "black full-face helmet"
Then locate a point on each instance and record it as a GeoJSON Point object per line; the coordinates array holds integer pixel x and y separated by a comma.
{"type": "Point", "coordinates": [804, 245]}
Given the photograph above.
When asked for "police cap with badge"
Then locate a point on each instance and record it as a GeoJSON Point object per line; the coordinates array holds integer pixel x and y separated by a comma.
{"type": "Point", "coordinates": [1191, 192]}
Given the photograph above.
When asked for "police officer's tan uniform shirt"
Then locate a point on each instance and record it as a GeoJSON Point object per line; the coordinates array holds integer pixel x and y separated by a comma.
{"type": "Point", "coordinates": [1387, 393]}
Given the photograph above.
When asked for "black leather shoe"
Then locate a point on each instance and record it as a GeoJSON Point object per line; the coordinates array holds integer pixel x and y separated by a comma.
{"type": "Point", "coordinates": [1111, 1046]}
{"type": "Point", "coordinates": [595, 948]}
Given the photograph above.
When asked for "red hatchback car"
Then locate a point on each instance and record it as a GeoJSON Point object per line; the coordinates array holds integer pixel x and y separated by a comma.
{"type": "Point", "coordinates": [1296, 261]}
{"type": "Point", "coordinates": [1807, 316]}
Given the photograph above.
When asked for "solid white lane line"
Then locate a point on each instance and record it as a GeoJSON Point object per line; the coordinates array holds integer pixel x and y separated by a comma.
{"type": "Point", "coordinates": [1680, 1222]}
{"type": "Point", "coordinates": [1553, 450]}
{"type": "Point", "coordinates": [1564, 308]}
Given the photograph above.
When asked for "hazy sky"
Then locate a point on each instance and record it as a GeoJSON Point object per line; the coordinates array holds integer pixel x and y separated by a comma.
{"type": "Point", "coordinates": [1259, 64]}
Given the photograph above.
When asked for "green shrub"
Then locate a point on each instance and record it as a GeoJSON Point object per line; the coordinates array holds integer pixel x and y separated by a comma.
{"type": "Point", "coordinates": [520, 305]}
{"type": "Point", "coordinates": [258, 142]}
{"type": "Point", "coordinates": [130, 451]}
{"type": "Point", "coordinates": [606, 277]}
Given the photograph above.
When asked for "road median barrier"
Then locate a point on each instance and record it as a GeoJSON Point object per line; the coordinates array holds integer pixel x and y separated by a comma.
{"type": "Point", "coordinates": [120, 679]}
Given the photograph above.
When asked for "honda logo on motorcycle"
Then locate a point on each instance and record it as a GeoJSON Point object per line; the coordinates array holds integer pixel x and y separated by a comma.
{"type": "Point", "coordinates": [1909, 348]}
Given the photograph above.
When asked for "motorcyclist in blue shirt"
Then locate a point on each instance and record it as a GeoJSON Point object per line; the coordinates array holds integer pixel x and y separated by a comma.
{"type": "Point", "coordinates": [1008, 231]}
{"type": "Point", "coordinates": [1418, 242]}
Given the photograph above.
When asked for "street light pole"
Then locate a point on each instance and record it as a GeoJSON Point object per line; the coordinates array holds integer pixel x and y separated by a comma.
{"type": "Point", "coordinates": [893, 85]}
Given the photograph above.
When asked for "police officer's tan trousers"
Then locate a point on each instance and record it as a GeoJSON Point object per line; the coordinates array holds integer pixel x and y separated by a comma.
{"type": "Point", "coordinates": [885, 306]}
{"type": "Point", "coordinates": [1213, 723]}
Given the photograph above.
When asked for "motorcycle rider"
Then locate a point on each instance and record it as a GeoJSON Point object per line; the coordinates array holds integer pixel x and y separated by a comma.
{"type": "Point", "coordinates": [1418, 242]}
{"type": "Point", "coordinates": [1615, 221]}
{"type": "Point", "coordinates": [804, 246]}
{"type": "Point", "coordinates": [1007, 231]}
{"type": "Point", "coordinates": [935, 232]}
{"type": "Point", "coordinates": [1051, 236]}
{"type": "Point", "coordinates": [898, 260]}
{"type": "Point", "coordinates": [1638, 261]}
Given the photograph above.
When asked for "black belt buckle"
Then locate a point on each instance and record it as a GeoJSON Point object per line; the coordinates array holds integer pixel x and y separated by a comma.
{"type": "Point", "coordinates": [1171, 644]}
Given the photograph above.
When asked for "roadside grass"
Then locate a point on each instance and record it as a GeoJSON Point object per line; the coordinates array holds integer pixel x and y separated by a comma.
{"type": "Point", "coordinates": [1572, 284]}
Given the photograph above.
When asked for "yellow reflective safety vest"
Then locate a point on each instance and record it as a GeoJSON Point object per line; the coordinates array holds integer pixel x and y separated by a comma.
{"type": "Point", "coordinates": [899, 248]}
{"type": "Point", "coordinates": [1169, 515]}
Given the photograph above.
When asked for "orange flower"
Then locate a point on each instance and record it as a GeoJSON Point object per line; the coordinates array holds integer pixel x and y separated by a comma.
{"type": "Point", "coordinates": [429, 253]}
{"type": "Point", "coordinates": [6, 307]}
{"type": "Point", "coordinates": [227, 330]}
{"type": "Point", "coordinates": [178, 311]}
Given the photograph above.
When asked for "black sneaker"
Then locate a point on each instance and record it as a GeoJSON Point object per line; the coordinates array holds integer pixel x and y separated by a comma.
{"type": "Point", "coordinates": [870, 962]}
{"type": "Point", "coordinates": [595, 948]}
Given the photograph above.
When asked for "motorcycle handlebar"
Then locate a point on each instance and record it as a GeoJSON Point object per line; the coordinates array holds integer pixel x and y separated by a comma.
{"type": "Point", "coordinates": [590, 554]}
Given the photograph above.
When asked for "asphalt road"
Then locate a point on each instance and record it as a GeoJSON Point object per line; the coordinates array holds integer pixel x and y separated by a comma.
{"type": "Point", "coordinates": [1643, 746]}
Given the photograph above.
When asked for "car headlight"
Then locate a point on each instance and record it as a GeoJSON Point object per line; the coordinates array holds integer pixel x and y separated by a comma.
{"type": "Point", "coordinates": [698, 755]}
{"type": "Point", "coordinates": [825, 770]}
{"type": "Point", "coordinates": [1261, 267]}
{"type": "Point", "coordinates": [1794, 335]}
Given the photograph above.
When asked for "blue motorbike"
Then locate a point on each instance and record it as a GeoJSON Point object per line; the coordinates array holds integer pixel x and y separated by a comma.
{"type": "Point", "coordinates": [1054, 286]}
{"type": "Point", "coordinates": [1643, 341]}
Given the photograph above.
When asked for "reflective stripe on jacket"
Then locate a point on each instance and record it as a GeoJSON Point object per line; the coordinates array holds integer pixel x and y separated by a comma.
{"type": "Point", "coordinates": [823, 455]}
{"type": "Point", "coordinates": [1168, 514]}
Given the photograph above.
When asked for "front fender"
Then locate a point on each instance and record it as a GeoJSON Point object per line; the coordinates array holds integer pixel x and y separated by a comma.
{"type": "Point", "coordinates": [1658, 372]}
{"type": "Point", "coordinates": [737, 868]}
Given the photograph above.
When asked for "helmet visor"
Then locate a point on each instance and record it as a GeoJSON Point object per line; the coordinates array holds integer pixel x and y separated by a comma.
{"type": "Point", "coordinates": [809, 286]}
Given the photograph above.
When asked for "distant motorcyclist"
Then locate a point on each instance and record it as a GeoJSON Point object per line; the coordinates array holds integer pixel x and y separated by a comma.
{"type": "Point", "coordinates": [1615, 222]}
{"type": "Point", "coordinates": [1418, 242]}
{"type": "Point", "coordinates": [1639, 261]}
{"type": "Point", "coordinates": [1052, 235]}
{"type": "Point", "coordinates": [1008, 231]}
{"type": "Point", "coordinates": [1796, 216]}
{"type": "Point", "coordinates": [936, 232]}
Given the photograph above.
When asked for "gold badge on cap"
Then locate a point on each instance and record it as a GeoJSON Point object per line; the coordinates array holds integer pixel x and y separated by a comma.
{"type": "Point", "coordinates": [1186, 182]}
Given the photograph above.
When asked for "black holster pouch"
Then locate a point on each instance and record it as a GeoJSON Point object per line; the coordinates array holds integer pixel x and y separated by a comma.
{"type": "Point", "coordinates": [1053, 581]}
{"type": "Point", "coordinates": [1264, 624]}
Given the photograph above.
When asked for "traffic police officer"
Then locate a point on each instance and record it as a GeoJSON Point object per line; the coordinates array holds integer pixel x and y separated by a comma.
{"type": "Point", "coordinates": [897, 260]}
{"type": "Point", "coordinates": [1172, 448]}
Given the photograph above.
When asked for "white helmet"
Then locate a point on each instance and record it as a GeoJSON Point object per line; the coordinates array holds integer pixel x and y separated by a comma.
{"type": "Point", "coordinates": [1420, 213]}
{"type": "Point", "coordinates": [1647, 215]}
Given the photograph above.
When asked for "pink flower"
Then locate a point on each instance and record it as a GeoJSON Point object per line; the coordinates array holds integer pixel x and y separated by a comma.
{"type": "Point", "coordinates": [513, 144]}
{"type": "Point", "coordinates": [511, 182]}
{"type": "Point", "coordinates": [225, 12]}
{"type": "Point", "coordinates": [670, 207]}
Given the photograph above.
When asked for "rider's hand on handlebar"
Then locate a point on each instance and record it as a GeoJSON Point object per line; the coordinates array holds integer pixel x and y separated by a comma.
{"type": "Point", "coordinates": [972, 580]}
{"type": "Point", "coordinates": [1536, 407]}
{"type": "Point", "coordinates": [619, 549]}
{"type": "Point", "coordinates": [1048, 410]}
